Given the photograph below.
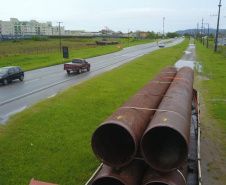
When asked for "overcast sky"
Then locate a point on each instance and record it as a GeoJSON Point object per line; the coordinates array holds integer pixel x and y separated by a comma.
{"type": "Point", "coordinates": [117, 15]}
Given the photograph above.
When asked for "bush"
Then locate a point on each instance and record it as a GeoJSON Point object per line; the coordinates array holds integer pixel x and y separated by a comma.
{"type": "Point", "coordinates": [35, 38]}
{"type": "Point", "coordinates": [45, 38]}
{"type": "Point", "coordinates": [16, 41]}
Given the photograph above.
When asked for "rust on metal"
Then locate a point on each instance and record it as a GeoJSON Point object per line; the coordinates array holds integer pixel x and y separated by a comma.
{"type": "Point", "coordinates": [177, 177]}
{"type": "Point", "coordinates": [131, 174]}
{"type": "Point", "coordinates": [165, 142]}
{"type": "Point", "coordinates": [115, 142]}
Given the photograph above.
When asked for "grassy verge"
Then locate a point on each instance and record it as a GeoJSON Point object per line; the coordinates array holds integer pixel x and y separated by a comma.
{"type": "Point", "coordinates": [50, 141]}
{"type": "Point", "coordinates": [29, 62]}
{"type": "Point", "coordinates": [168, 42]}
{"type": "Point", "coordinates": [214, 88]}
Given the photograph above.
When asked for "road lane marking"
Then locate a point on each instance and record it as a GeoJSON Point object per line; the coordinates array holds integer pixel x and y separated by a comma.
{"type": "Point", "coordinates": [62, 81]}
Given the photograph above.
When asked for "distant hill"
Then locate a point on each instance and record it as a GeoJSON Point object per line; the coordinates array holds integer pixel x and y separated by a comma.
{"type": "Point", "coordinates": [191, 31]}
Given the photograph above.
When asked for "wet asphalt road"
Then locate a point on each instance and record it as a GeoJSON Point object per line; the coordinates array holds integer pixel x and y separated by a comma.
{"type": "Point", "coordinates": [47, 82]}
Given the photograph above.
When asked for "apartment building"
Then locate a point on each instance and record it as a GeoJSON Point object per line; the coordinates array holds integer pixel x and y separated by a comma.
{"type": "Point", "coordinates": [32, 27]}
{"type": "Point", "coordinates": [6, 28]}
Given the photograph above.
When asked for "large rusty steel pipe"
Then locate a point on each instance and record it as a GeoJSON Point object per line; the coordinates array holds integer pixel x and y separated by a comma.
{"type": "Point", "coordinates": [165, 142]}
{"type": "Point", "coordinates": [176, 177]}
{"type": "Point", "coordinates": [132, 174]}
{"type": "Point", "coordinates": [116, 141]}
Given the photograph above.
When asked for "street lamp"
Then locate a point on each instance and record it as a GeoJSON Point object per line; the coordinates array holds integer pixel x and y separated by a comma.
{"type": "Point", "coordinates": [163, 25]}
{"type": "Point", "coordinates": [60, 34]}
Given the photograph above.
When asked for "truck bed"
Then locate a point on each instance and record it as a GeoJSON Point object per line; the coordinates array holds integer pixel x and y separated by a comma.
{"type": "Point", "coordinates": [193, 160]}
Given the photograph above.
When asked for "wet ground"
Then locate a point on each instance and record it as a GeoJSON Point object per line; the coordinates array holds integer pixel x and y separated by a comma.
{"type": "Point", "coordinates": [189, 59]}
{"type": "Point", "coordinates": [212, 164]}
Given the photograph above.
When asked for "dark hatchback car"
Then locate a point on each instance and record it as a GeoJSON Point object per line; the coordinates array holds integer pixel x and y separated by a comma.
{"type": "Point", "coordinates": [7, 74]}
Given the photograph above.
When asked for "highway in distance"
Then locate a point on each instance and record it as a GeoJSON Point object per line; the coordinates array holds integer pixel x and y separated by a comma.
{"type": "Point", "coordinates": [46, 82]}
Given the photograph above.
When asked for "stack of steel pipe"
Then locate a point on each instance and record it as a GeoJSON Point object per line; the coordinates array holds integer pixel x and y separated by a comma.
{"type": "Point", "coordinates": [165, 143]}
{"type": "Point", "coordinates": [131, 174]}
{"type": "Point", "coordinates": [176, 177]}
{"type": "Point", "coordinates": [116, 141]}
{"type": "Point", "coordinates": [159, 126]}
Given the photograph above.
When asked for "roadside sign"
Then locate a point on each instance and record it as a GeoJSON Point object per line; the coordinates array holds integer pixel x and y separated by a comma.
{"type": "Point", "coordinates": [65, 52]}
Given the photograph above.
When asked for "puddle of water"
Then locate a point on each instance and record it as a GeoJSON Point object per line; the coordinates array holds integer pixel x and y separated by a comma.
{"type": "Point", "coordinates": [191, 46]}
{"type": "Point", "coordinates": [183, 63]}
{"type": "Point", "coordinates": [187, 52]}
{"type": "Point", "coordinates": [189, 63]}
{"type": "Point", "coordinates": [202, 77]}
{"type": "Point", "coordinates": [218, 99]}
{"type": "Point", "coordinates": [5, 118]}
{"type": "Point", "coordinates": [198, 67]}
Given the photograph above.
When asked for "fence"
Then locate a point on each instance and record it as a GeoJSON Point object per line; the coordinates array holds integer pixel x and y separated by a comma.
{"type": "Point", "coordinates": [220, 48]}
{"type": "Point", "coordinates": [43, 51]}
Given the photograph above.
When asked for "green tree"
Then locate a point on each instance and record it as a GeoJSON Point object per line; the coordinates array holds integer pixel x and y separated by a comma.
{"type": "Point", "coordinates": [172, 35]}
{"type": "Point", "coordinates": [187, 35]}
{"type": "Point", "coordinates": [151, 35]}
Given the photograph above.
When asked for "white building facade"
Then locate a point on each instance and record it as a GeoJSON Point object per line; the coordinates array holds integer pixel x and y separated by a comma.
{"type": "Point", "coordinates": [32, 27]}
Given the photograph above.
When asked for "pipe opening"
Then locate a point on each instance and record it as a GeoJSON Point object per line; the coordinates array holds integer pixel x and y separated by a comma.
{"type": "Point", "coordinates": [108, 181]}
{"type": "Point", "coordinates": [157, 183]}
{"type": "Point", "coordinates": [164, 149]}
{"type": "Point", "coordinates": [113, 145]}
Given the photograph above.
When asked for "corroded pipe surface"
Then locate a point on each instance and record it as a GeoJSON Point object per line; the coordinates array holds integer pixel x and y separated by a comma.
{"type": "Point", "coordinates": [165, 143]}
{"type": "Point", "coordinates": [177, 177]}
{"type": "Point", "coordinates": [131, 174]}
{"type": "Point", "coordinates": [115, 142]}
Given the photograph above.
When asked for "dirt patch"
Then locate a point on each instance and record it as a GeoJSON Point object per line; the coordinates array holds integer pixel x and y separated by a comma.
{"type": "Point", "coordinates": [213, 163]}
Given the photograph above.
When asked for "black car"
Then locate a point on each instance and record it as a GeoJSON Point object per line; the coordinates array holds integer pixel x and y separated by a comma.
{"type": "Point", "coordinates": [7, 74]}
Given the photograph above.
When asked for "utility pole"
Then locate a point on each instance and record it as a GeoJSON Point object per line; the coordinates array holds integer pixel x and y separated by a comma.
{"type": "Point", "coordinates": [60, 34]}
{"type": "Point", "coordinates": [128, 35]}
{"type": "Point", "coordinates": [163, 25]}
{"type": "Point", "coordinates": [203, 36]}
{"type": "Point", "coordinates": [197, 30]}
{"type": "Point", "coordinates": [207, 44]}
{"type": "Point", "coordinates": [216, 39]}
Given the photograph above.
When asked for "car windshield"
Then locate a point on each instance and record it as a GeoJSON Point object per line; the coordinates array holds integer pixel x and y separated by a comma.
{"type": "Point", "coordinates": [3, 70]}
{"type": "Point", "coordinates": [76, 61]}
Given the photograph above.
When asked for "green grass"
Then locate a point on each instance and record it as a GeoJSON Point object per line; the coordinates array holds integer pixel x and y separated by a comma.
{"type": "Point", "coordinates": [213, 91]}
{"type": "Point", "coordinates": [51, 141]}
{"type": "Point", "coordinates": [29, 62]}
{"type": "Point", "coordinates": [18, 46]}
{"type": "Point", "coordinates": [168, 42]}
{"type": "Point", "coordinates": [29, 46]}
{"type": "Point", "coordinates": [214, 67]}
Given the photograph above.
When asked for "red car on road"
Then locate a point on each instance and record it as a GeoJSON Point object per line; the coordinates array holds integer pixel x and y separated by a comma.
{"type": "Point", "coordinates": [77, 65]}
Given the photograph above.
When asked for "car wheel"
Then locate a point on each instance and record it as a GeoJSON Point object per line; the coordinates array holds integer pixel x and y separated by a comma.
{"type": "Point", "coordinates": [79, 71]}
{"type": "Point", "coordinates": [21, 78]}
{"type": "Point", "coordinates": [5, 81]}
{"type": "Point", "coordinates": [88, 68]}
{"type": "Point", "coordinates": [68, 71]}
